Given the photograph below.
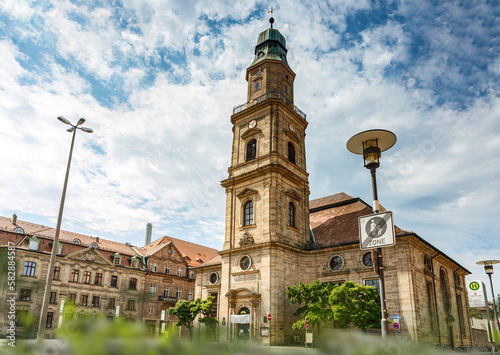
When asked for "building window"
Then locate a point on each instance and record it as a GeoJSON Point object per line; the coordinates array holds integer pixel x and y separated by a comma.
{"type": "Point", "coordinates": [84, 300]}
{"type": "Point", "coordinates": [166, 291]}
{"type": "Point", "coordinates": [71, 298]}
{"type": "Point", "coordinates": [59, 248]}
{"type": "Point", "coordinates": [190, 295]}
{"type": "Point", "coordinates": [33, 243]}
{"type": "Point", "coordinates": [98, 279]}
{"type": "Point", "coordinates": [95, 301]}
{"type": "Point", "coordinates": [29, 269]}
{"type": "Point", "coordinates": [287, 90]}
{"type": "Point", "coordinates": [131, 305]}
{"type": "Point", "coordinates": [111, 303]}
{"type": "Point", "coordinates": [76, 241]}
{"type": "Point", "coordinates": [191, 274]}
{"type": "Point", "coordinates": [50, 318]}
{"type": "Point", "coordinates": [336, 263]}
{"type": "Point", "coordinates": [430, 304]}
{"type": "Point", "coordinates": [428, 263]}
{"type": "Point", "coordinates": [167, 270]}
{"type": "Point", "coordinates": [245, 262]}
{"type": "Point", "coordinates": [214, 277]}
{"type": "Point", "coordinates": [179, 272]}
{"type": "Point", "coordinates": [154, 268]}
{"type": "Point", "coordinates": [460, 314]}
{"type": "Point", "coordinates": [52, 299]}
{"type": "Point", "coordinates": [251, 149]}
{"type": "Point", "coordinates": [132, 285]}
{"type": "Point", "coordinates": [114, 281]}
{"type": "Point", "coordinates": [25, 295]}
{"type": "Point", "coordinates": [179, 293]}
{"type": "Point", "coordinates": [134, 263]}
{"type": "Point", "coordinates": [444, 291]}
{"type": "Point", "coordinates": [94, 245]}
{"type": "Point", "coordinates": [19, 230]}
{"type": "Point", "coordinates": [256, 85]}
{"type": "Point", "coordinates": [367, 259]}
{"type": "Point", "coordinates": [291, 214]}
{"type": "Point", "coordinates": [75, 274]}
{"type": "Point", "coordinates": [117, 259]}
{"type": "Point", "coordinates": [152, 289]}
{"type": "Point", "coordinates": [248, 213]}
{"type": "Point", "coordinates": [87, 277]}
{"type": "Point", "coordinates": [374, 283]}
{"type": "Point", "coordinates": [291, 153]}
{"type": "Point", "coordinates": [214, 304]}
{"type": "Point", "coordinates": [151, 310]}
{"type": "Point", "coordinates": [57, 273]}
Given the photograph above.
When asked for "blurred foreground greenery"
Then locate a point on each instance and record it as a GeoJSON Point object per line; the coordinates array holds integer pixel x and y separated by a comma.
{"type": "Point", "coordinates": [87, 337]}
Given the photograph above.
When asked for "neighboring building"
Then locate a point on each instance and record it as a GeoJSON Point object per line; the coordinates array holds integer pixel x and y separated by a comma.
{"type": "Point", "coordinates": [98, 278]}
{"type": "Point", "coordinates": [275, 236]}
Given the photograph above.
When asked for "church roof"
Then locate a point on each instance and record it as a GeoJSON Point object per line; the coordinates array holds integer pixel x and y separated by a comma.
{"type": "Point", "coordinates": [334, 220]}
{"type": "Point", "coordinates": [270, 45]}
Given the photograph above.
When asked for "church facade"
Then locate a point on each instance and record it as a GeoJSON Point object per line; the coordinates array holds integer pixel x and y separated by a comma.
{"type": "Point", "coordinates": [275, 236]}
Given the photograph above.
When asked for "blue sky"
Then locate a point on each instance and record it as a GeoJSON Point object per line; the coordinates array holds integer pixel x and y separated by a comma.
{"type": "Point", "coordinates": [157, 81]}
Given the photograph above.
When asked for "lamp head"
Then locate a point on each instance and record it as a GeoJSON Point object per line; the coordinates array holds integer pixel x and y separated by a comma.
{"type": "Point", "coordinates": [80, 121]}
{"type": "Point", "coordinates": [370, 144]}
{"type": "Point", "coordinates": [488, 265]}
{"type": "Point", "coordinates": [87, 130]}
{"type": "Point", "coordinates": [70, 129]}
{"type": "Point", "coordinates": [63, 120]}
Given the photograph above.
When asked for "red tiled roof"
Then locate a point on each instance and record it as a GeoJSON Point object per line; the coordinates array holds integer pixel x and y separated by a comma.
{"type": "Point", "coordinates": [214, 261]}
{"type": "Point", "coordinates": [335, 220]}
{"type": "Point", "coordinates": [194, 252]}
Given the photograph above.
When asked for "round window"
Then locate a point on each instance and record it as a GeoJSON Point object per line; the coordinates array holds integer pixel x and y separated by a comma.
{"type": "Point", "coordinates": [336, 263]}
{"type": "Point", "coordinates": [367, 259]}
{"type": "Point", "coordinates": [260, 54]}
{"type": "Point", "coordinates": [245, 262]}
{"type": "Point", "coordinates": [213, 278]}
{"type": "Point", "coordinates": [169, 250]}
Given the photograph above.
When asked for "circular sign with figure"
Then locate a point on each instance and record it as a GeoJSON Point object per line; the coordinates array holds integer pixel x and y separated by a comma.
{"type": "Point", "coordinates": [376, 227]}
{"type": "Point", "coordinates": [474, 286]}
{"type": "Point", "coordinates": [395, 326]}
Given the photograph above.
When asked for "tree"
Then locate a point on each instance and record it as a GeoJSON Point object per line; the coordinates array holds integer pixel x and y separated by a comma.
{"type": "Point", "coordinates": [186, 312]}
{"type": "Point", "coordinates": [474, 313]}
{"type": "Point", "coordinates": [356, 304]}
{"type": "Point", "coordinates": [315, 297]}
{"type": "Point", "coordinates": [204, 307]}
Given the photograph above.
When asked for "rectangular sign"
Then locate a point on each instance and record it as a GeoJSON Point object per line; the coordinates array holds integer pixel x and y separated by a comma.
{"type": "Point", "coordinates": [395, 317]}
{"type": "Point", "coordinates": [376, 230]}
{"type": "Point", "coordinates": [475, 290]}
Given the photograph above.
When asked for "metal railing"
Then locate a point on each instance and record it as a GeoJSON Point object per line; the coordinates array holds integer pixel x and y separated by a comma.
{"type": "Point", "coordinates": [167, 299]}
{"type": "Point", "coordinates": [269, 95]}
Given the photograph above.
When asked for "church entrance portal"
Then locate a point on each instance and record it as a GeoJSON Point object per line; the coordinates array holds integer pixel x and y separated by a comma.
{"type": "Point", "coordinates": [244, 329]}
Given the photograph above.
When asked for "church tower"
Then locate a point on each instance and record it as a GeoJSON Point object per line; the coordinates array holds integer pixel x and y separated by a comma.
{"type": "Point", "coordinates": [267, 197]}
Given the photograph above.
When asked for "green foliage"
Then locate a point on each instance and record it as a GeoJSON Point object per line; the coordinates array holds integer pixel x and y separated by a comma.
{"type": "Point", "coordinates": [474, 313]}
{"type": "Point", "coordinates": [187, 311]}
{"type": "Point", "coordinates": [205, 309]}
{"type": "Point", "coordinates": [356, 304]}
{"type": "Point", "coordinates": [315, 300]}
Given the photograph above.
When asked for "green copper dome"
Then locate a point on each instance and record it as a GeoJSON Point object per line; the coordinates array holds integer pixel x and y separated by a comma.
{"type": "Point", "coordinates": [270, 45]}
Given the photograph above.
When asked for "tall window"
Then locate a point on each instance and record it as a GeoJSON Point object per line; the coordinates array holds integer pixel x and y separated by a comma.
{"type": "Point", "coordinates": [460, 314]}
{"type": "Point", "coordinates": [131, 305]}
{"type": "Point", "coordinates": [134, 263]}
{"type": "Point", "coordinates": [154, 268]}
{"type": "Point", "coordinates": [251, 149]}
{"type": "Point", "coordinates": [117, 259]}
{"type": "Point", "coordinates": [430, 304]}
{"type": "Point", "coordinates": [152, 289]}
{"type": "Point", "coordinates": [57, 272]}
{"type": "Point", "coordinates": [86, 277]}
{"type": "Point", "coordinates": [25, 295]}
{"type": "Point", "coordinates": [291, 152]}
{"type": "Point", "coordinates": [444, 291]}
{"type": "Point", "coordinates": [71, 298]}
{"type": "Point", "coordinates": [191, 274]}
{"type": "Point", "coordinates": [167, 270]}
{"type": "Point", "coordinates": [132, 284]}
{"type": "Point", "coordinates": [84, 300]}
{"type": "Point", "coordinates": [75, 274]}
{"type": "Point", "coordinates": [291, 214]}
{"type": "Point", "coordinates": [111, 303]}
{"type": "Point", "coordinates": [166, 291]}
{"type": "Point", "coordinates": [29, 269]}
{"type": "Point", "coordinates": [248, 215]}
{"type": "Point", "coordinates": [114, 281]}
{"type": "Point", "coordinates": [190, 295]}
{"type": "Point", "coordinates": [373, 283]}
{"type": "Point", "coordinates": [50, 318]}
{"type": "Point", "coordinates": [95, 301]}
{"type": "Point", "coordinates": [98, 279]}
{"type": "Point", "coordinates": [179, 293]}
{"type": "Point", "coordinates": [179, 272]}
{"type": "Point", "coordinates": [52, 299]}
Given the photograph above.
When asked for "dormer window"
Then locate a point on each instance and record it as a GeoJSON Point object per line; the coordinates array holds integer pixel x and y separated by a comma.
{"type": "Point", "coordinates": [76, 241]}
{"type": "Point", "coordinates": [134, 263]}
{"type": "Point", "coordinates": [94, 245]}
{"type": "Point", "coordinates": [33, 243]}
{"type": "Point", "coordinates": [19, 230]}
{"type": "Point", "coordinates": [59, 248]}
{"type": "Point", "coordinates": [117, 259]}
{"type": "Point", "coordinates": [251, 149]}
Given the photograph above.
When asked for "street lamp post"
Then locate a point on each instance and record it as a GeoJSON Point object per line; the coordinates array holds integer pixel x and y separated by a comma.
{"type": "Point", "coordinates": [48, 283]}
{"type": "Point", "coordinates": [370, 144]}
{"type": "Point", "coordinates": [488, 268]}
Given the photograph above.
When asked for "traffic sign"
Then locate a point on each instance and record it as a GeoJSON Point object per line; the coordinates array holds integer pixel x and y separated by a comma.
{"type": "Point", "coordinates": [395, 317]}
{"type": "Point", "coordinates": [376, 230]}
{"type": "Point", "coordinates": [269, 317]}
{"type": "Point", "coordinates": [395, 326]}
{"type": "Point", "coordinates": [307, 320]}
{"type": "Point", "coordinates": [306, 326]}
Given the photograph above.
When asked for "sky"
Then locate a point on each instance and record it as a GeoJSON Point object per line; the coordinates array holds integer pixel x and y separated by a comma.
{"type": "Point", "coordinates": [157, 81]}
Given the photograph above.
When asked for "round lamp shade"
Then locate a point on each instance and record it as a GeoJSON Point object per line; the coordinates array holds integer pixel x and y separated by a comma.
{"type": "Point", "coordinates": [385, 139]}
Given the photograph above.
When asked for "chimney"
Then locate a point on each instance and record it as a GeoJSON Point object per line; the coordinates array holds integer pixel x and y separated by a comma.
{"type": "Point", "coordinates": [149, 230]}
{"type": "Point", "coordinates": [97, 239]}
{"type": "Point", "coordinates": [14, 218]}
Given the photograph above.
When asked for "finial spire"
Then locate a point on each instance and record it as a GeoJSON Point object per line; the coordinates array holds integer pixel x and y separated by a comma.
{"type": "Point", "coordinates": [271, 20]}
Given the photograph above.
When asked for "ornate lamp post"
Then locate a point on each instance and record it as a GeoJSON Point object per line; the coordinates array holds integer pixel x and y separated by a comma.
{"type": "Point", "coordinates": [50, 272]}
{"type": "Point", "coordinates": [370, 144]}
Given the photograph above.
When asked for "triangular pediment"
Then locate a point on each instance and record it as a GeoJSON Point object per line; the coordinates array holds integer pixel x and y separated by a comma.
{"type": "Point", "coordinates": [246, 192]}
{"type": "Point", "coordinates": [251, 132]}
{"type": "Point", "coordinates": [90, 255]}
{"type": "Point", "coordinates": [293, 194]}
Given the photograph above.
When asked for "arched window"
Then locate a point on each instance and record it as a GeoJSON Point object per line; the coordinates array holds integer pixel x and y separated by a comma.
{"type": "Point", "coordinates": [248, 217]}
{"type": "Point", "coordinates": [444, 291]}
{"type": "Point", "coordinates": [291, 215]}
{"type": "Point", "coordinates": [29, 269]}
{"type": "Point", "coordinates": [291, 152]}
{"type": "Point", "coordinates": [251, 149]}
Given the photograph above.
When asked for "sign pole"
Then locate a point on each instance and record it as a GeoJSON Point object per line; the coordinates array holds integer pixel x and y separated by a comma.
{"type": "Point", "coordinates": [269, 333]}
